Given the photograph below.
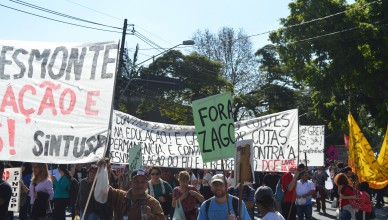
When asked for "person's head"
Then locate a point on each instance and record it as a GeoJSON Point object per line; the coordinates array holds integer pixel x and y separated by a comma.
{"type": "Point", "coordinates": [340, 165]}
{"type": "Point", "coordinates": [363, 186]}
{"type": "Point", "coordinates": [348, 171]}
{"type": "Point", "coordinates": [341, 180]}
{"type": "Point", "coordinates": [304, 175]}
{"type": "Point", "coordinates": [139, 182]}
{"type": "Point", "coordinates": [26, 168]}
{"type": "Point", "coordinates": [155, 173]}
{"type": "Point", "coordinates": [39, 172]}
{"type": "Point", "coordinates": [184, 178]}
{"type": "Point", "coordinates": [92, 171]}
{"type": "Point", "coordinates": [264, 199]}
{"type": "Point", "coordinates": [301, 167]}
{"type": "Point", "coordinates": [218, 185]}
{"type": "Point", "coordinates": [63, 170]}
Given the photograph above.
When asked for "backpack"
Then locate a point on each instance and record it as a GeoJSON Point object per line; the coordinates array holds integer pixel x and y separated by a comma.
{"type": "Point", "coordinates": [234, 204]}
{"type": "Point", "coordinates": [279, 194]}
{"type": "Point", "coordinates": [73, 191]}
{"type": "Point", "coordinates": [357, 202]}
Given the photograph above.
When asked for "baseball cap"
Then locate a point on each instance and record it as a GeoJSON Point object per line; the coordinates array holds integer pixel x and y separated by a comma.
{"type": "Point", "coordinates": [218, 178]}
{"type": "Point", "coordinates": [263, 192]}
{"type": "Point", "coordinates": [139, 173]}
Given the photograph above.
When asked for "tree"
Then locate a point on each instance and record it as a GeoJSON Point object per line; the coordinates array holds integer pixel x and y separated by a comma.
{"type": "Point", "coordinates": [232, 49]}
{"type": "Point", "coordinates": [169, 85]}
{"type": "Point", "coordinates": [340, 58]}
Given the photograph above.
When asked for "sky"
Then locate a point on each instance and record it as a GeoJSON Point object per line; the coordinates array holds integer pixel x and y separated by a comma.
{"type": "Point", "coordinates": [166, 23]}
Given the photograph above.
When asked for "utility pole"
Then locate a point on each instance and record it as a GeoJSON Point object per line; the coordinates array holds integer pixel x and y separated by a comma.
{"type": "Point", "coordinates": [120, 67]}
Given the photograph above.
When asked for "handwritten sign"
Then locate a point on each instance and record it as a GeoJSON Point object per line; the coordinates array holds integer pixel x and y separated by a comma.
{"type": "Point", "coordinates": [311, 143]}
{"type": "Point", "coordinates": [213, 119]}
{"type": "Point", "coordinates": [135, 159]}
{"type": "Point", "coordinates": [13, 176]}
{"type": "Point", "coordinates": [275, 142]}
{"type": "Point", "coordinates": [55, 100]}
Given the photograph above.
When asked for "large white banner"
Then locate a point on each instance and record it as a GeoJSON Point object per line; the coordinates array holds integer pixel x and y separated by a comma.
{"type": "Point", "coordinates": [13, 177]}
{"type": "Point", "coordinates": [275, 142]}
{"type": "Point", "coordinates": [55, 100]}
{"type": "Point", "coordinates": [311, 144]}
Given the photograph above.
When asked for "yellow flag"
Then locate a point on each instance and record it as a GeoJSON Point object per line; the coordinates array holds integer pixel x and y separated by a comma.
{"type": "Point", "coordinates": [362, 159]}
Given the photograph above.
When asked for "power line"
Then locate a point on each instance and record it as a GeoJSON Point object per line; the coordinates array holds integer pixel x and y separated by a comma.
{"type": "Point", "coordinates": [313, 20]}
{"type": "Point", "coordinates": [52, 19]}
{"type": "Point", "coordinates": [145, 39]}
{"type": "Point", "coordinates": [95, 10]}
{"type": "Point", "coordinates": [60, 14]}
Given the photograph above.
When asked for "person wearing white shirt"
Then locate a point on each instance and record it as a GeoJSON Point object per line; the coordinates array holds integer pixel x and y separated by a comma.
{"type": "Point", "coordinates": [304, 190]}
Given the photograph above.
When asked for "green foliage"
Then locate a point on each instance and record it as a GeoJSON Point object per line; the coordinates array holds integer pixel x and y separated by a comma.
{"type": "Point", "coordinates": [341, 59]}
{"type": "Point", "coordinates": [180, 80]}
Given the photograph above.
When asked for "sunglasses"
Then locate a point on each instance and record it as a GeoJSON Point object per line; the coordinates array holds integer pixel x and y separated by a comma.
{"type": "Point", "coordinates": [155, 174]}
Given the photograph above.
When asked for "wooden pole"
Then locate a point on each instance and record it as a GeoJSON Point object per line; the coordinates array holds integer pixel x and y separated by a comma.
{"type": "Point", "coordinates": [226, 185]}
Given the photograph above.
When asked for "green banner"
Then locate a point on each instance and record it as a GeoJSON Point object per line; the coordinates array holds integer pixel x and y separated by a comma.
{"type": "Point", "coordinates": [135, 158]}
{"type": "Point", "coordinates": [213, 119]}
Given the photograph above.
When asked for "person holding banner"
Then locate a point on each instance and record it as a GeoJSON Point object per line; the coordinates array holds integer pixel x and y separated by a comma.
{"type": "Point", "coordinates": [41, 191]}
{"type": "Point", "coordinates": [129, 204]}
{"type": "Point", "coordinates": [188, 196]}
{"type": "Point", "coordinates": [5, 194]}
{"type": "Point", "coordinates": [83, 194]}
{"type": "Point", "coordinates": [289, 187]}
{"type": "Point", "coordinates": [221, 206]}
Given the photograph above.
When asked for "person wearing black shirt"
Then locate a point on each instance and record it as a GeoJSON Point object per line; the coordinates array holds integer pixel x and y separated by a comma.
{"type": "Point", "coordinates": [5, 195]}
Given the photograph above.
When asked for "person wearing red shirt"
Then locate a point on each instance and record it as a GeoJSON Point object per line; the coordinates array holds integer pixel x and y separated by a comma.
{"type": "Point", "coordinates": [288, 187]}
{"type": "Point", "coordinates": [346, 194]}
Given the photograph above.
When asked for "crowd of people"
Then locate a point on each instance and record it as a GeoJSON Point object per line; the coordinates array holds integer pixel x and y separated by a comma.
{"type": "Point", "coordinates": [162, 193]}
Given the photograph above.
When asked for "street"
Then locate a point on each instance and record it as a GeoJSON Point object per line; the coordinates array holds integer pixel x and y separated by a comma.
{"type": "Point", "coordinates": [381, 214]}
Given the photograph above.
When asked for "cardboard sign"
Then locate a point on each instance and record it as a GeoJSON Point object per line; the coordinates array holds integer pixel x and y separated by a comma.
{"type": "Point", "coordinates": [135, 159]}
{"type": "Point", "coordinates": [13, 176]}
{"type": "Point", "coordinates": [213, 119]}
{"type": "Point", "coordinates": [244, 161]}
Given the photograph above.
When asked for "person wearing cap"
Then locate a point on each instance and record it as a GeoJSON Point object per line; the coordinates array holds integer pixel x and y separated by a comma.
{"type": "Point", "coordinates": [265, 203]}
{"type": "Point", "coordinates": [217, 207]}
{"type": "Point", "coordinates": [130, 204]}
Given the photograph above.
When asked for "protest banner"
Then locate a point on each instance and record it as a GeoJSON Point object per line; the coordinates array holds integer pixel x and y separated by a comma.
{"type": "Point", "coordinates": [13, 176]}
{"type": "Point", "coordinates": [362, 159]}
{"type": "Point", "coordinates": [135, 159]}
{"type": "Point", "coordinates": [213, 119]}
{"type": "Point", "coordinates": [312, 143]}
{"type": "Point", "coordinates": [55, 100]}
{"type": "Point", "coordinates": [275, 142]}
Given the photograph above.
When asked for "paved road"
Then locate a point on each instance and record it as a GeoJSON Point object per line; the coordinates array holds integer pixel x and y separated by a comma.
{"type": "Point", "coordinates": [381, 214]}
